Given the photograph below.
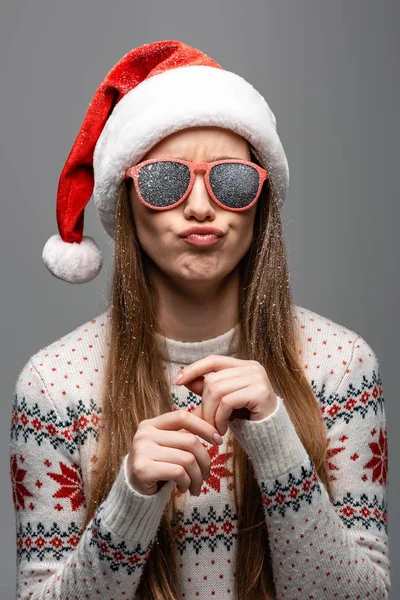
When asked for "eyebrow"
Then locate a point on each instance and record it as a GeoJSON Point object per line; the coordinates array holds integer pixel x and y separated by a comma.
{"type": "Point", "coordinates": [213, 158]}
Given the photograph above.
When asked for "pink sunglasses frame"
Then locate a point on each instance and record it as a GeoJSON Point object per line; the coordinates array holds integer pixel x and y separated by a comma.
{"type": "Point", "coordinates": [133, 172]}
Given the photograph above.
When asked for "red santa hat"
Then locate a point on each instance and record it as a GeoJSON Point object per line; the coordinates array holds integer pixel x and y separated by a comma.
{"type": "Point", "coordinates": [153, 91]}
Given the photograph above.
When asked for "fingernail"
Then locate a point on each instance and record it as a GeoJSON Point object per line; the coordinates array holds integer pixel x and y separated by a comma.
{"type": "Point", "coordinates": [218, 439]}
{"type": "Point", "coordinates": [177, 378]}
{"type": "Point", "coordinates": [208, 475]}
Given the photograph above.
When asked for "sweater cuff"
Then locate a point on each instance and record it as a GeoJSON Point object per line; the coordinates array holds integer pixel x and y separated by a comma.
{"type": "Point", "coordinates": [272, 444]}
{"type": "Point", "coordinates": [132, 515]}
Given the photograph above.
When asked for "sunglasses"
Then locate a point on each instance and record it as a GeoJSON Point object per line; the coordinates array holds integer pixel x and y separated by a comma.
{"type": "Point", "coordinates": [163, 183]}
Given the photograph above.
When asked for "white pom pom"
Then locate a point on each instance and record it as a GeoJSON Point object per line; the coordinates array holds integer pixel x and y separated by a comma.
{"type": "Point", "coordinates": [72, 262]}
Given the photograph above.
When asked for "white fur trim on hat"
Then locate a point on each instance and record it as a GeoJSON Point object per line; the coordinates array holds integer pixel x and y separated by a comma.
{"type": "Point", "coordinates": [173, 100]}
{"type": "Point", "coordinates": [72, 262]}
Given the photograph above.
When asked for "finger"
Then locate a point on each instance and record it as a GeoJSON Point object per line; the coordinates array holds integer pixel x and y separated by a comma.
{"type": "Point", "coordinates": [236, 401]}
{"type": "Point", "coordinates": [196, 386]}
{"type": "Point", "coordinates": [214, 392]}
{"type": "Point", "coordinates": [172, 448]}
{"type": "Point", "coordinates": [231, 372]}
{"type": "Point", "coordinates": [182, 419]}
{"type": "Point", "coordinates": [212, 362]}
{"type": "Point", "coordinates": [198, 412]}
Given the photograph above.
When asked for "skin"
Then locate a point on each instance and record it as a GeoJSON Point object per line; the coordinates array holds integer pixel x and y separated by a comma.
{"type": "Point", "coordinates": [199, 291]}
{"type": "Point", "coordinates": [198, 286]}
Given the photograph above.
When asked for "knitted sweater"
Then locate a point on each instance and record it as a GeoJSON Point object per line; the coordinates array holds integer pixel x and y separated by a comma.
{"type": "Point", "coordinates": [320, 549]}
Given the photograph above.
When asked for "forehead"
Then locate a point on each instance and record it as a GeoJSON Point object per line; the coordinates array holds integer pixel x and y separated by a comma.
{"type": "Point", "coordinates": [202, 143]}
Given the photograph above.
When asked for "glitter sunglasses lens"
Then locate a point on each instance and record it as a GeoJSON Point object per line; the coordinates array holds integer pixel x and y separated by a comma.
{"type": "Point", "coordinates": [163, 183]}
{"type": "Point", "coordinates": [234, 184]}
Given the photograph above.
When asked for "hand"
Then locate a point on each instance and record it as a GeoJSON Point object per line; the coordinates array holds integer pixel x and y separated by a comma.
{"type": "Point", "coordinates": [230, 388]}
{"type": "Point", "coordinates": [167, 448]}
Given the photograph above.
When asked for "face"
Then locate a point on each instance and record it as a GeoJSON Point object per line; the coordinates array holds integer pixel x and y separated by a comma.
{"type": "Point", "coordinates": [172, 256]}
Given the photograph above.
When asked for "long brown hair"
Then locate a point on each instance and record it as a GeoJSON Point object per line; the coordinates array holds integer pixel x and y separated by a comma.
{"type": "Point", "coordinates": [135, 387]}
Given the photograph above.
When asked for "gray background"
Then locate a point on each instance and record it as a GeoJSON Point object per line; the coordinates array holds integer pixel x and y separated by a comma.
{"type": "Point", "coordinates": [330, 72]}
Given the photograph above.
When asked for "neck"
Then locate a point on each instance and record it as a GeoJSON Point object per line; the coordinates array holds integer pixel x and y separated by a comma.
{"type": "Point", "coordinates": [192, 311]}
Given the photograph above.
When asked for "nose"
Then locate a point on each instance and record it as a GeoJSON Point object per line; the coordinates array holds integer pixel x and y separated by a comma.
{"type": "Point", "coordinates": [199, 200]}
{"type": "Point", "coordinates": [199, 170]}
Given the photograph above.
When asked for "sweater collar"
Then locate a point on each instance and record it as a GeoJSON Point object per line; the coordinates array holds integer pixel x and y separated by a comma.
{"type": "Point", "coordinates": [185, 353]}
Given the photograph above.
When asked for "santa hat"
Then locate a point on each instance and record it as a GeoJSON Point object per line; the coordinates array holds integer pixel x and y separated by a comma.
{"type": "Point", "coordinates": [153, 91]}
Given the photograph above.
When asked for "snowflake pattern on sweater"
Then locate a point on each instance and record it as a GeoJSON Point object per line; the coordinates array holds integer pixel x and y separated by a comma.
{"type": "Point", "coordinates": [319, 549]}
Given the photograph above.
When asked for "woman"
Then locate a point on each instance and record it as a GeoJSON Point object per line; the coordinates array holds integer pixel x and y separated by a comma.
{"type": "Point", "coordinates": [120, 492]}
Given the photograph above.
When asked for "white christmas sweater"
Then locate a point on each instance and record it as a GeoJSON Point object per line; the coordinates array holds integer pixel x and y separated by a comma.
{"type": "Point", "coordinates": [320, 549]}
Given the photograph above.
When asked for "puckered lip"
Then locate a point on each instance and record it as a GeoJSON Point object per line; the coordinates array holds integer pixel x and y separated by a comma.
{"type": "Point", "coordinates": [202, 231]}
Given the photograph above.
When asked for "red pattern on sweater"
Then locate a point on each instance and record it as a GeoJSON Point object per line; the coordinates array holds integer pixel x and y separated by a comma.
{"type": "Point", "coordinates": [318, 548]}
